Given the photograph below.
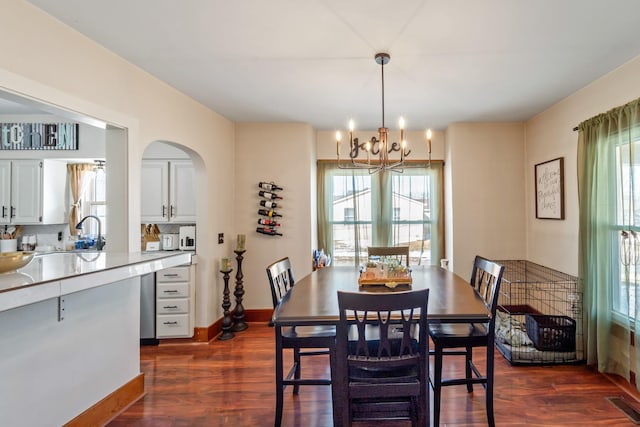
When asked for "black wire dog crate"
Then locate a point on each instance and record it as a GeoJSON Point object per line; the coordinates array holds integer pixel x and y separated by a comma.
{"type": "Point", "coordinates": [539, 316]}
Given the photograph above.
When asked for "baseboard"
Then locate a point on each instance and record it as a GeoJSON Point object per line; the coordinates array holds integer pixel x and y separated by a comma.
{"type": "Point", "coordinates": [207, 333]}
{"type": "Point", "coordinates": [109, 407]}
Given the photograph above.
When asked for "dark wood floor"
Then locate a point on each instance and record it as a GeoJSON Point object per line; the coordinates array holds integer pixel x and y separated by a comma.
{"type": "Point", "coordinates": [231, 383]}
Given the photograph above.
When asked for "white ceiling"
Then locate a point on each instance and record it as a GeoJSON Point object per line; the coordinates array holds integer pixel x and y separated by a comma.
{"type": "Point", "coordinates": [312, 61]}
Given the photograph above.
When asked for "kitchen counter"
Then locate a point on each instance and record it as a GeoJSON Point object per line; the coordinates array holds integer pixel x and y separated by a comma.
{"type": "Point", "coordinates": [70, 336]}
{"type": "Point", "coordinates": [60, 273]}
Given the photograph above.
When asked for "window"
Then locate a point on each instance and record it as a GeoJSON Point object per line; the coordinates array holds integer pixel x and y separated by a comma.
{"type": "Point", "coordinates": [609, 219]}
{"type": "Point", "coordinates": [626, 231]}
{"type": "Point", "coordinates": [349, 214]}
{"type": "Point", "coordinates": [94, 202]}
{"type": "Point", "coordinates": [358, 210]}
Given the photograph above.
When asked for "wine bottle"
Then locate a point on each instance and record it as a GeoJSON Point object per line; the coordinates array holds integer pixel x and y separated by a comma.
{"type": "Point", "coordinates": [269, 231]}
{"type": "Point", "coordinates": [268, 212]}
{"type": "Point", "coordinates": [269, 186]}
{"type": "Point", "coordinates": [269, 195]}
{"type": "Point", "coordinates": [269, 222]}
{"type": "Point", "coordinates": [268, 204]}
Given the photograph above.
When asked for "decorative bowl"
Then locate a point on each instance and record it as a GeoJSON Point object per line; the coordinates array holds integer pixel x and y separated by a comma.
{"type": "Point", "coordinates": [11, 261]}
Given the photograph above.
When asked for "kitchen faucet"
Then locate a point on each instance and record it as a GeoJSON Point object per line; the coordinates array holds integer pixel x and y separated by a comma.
{"type": "Point", "coordinates": [100, 242]}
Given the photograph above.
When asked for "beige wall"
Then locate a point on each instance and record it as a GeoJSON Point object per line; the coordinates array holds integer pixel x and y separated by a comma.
{"type": "Point", "coordinates": [485, 205]}
{"type": "Point", "coordinates": [550, 135]}
{"type": "Point", "coordinates": [45, 60]}
{"type": "Point", "coordinates": [285, 154]}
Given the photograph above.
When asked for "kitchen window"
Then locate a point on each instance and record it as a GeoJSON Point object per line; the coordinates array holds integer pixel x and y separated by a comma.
{"type": "Point", "coordinates": [94, 202]}
{"type": "Point", "coordinates": [357, 210]}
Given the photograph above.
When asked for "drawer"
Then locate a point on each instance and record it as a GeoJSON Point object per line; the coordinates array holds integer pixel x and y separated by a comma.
{"type": "Point", "coordinates": [169, 306]}
{"type": "Point", "coordinates": [172, 325]}
{"type": "Point", "coordinates": [175, 274]}
{"type": "Point", "coordinates": [172, 290]}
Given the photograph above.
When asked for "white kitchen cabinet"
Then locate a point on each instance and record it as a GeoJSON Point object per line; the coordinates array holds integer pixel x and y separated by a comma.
{"type": "Point", "coordinates": [32, 191]}
{"type": "Point", "coordinates": [168, 191]}
{"type": "Point", "coordinates": [175, 302]}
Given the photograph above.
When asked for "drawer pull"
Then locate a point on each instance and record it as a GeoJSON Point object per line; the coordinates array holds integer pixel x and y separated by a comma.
{"type": "Point", "coordinates": [170, 306]}
{"type": "Point", "coordinates": [170, 274]}
{"type": "Point", "coordinates": [170, 323]}
{"type": "Point", "coordinates": [171, 291]}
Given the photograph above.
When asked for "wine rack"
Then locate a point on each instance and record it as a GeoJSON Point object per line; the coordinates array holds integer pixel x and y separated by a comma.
{"type": "Point", "coordinates": [269, 209]}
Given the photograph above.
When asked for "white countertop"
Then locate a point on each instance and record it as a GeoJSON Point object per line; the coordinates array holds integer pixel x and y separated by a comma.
{"type": "Point", "coordinates": [55, 274]}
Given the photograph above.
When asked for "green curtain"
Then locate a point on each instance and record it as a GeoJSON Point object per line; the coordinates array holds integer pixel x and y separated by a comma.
{"type": "Point", "coordinates": [609, 223]}
{"type": "Point", "coordinates": [382, 196]}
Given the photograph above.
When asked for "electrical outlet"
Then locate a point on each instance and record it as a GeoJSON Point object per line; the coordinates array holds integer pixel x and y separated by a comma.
{"type": "Point", "coordinates": [220, 238]}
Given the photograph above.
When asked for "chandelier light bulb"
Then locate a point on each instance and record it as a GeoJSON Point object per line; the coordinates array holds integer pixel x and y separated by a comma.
{"type": "Point", "coordinates": [429, 134]}
{"type": "Point", "coordinates": [401, 123]}
{"type": "Point", "coordinates": [338, 136]}
{"type": "Point", "coordinates": [351, 125]}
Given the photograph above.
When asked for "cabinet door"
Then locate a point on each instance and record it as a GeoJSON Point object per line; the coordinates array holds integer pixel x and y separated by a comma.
{"type": "Point", "coordinates": [182, 191]}
{"type": "Point", "coordinates": [5, 191]}
{"type": "Point", "coordinates": [155, 191]}
{"type": "Point", "coordinates": [26, 191]}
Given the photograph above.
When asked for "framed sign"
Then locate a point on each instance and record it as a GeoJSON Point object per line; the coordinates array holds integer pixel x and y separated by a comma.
{"type": "Point", "coordinates": [550, 189]}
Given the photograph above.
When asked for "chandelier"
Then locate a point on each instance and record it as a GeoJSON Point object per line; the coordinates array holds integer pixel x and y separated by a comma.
{"type": "Point", "coordinates": [378, 147]}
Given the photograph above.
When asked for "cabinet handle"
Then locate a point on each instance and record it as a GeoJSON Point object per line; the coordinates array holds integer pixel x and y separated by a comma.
{"type": "Point", "coordinates": [170, 323]}
{"type": "Point", "coordinates": [171, 291]}
{"type": "Point", "coordinates": [170, 274]}
{"type": "Point", "coordinates": [13, 212]}
{"type": "Point", "coordinates": [4, 211]}
{"type": "Point", "coordinates": [171, 214]}
{"type": "Point", "coordinates": [170, 306]}
{"type": "Point", "coordinates": [164, 211]}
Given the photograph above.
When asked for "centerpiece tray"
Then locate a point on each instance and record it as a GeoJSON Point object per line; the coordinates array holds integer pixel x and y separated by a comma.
{"type": "Point", "coordinates": [384, 281]}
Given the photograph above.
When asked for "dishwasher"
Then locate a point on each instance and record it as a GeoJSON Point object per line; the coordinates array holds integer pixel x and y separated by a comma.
{"type": "Point", "coordinates": [148, 309]}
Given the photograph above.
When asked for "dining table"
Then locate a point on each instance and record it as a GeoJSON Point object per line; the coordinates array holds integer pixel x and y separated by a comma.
{"type": "Point", "coordinates": [313, 301]}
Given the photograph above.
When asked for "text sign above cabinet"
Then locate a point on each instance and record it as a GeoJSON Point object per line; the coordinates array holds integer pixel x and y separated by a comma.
{"type": "Point", "coordinates": [39, 136]}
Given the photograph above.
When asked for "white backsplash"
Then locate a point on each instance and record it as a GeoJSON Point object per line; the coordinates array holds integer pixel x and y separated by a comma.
{"type": "Point", "coordinates": [46, 235]}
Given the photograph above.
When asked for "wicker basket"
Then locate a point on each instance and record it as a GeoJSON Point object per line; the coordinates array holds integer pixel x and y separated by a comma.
{"type": "Point", "coordinates": [551, 333]}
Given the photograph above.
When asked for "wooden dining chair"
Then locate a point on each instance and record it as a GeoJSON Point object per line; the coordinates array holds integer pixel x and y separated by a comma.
{"type": "Point", "coordinates": [459, 339]}
{"type": "Point", "coordinates": [401, 253]}
{"type": "Point", "coordinates": [384, 375]}
{"type": "Point", "coordinates": [318, 340]}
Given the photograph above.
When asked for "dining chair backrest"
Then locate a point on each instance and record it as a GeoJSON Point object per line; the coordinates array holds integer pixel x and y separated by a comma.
{"type": "Point", "coordinates": [280, 279]}
{"type": "Point", "coordinates": [394, 315]}
{"type": "Point", "coordinates": [486, 277]}
{"type": "Point", "coordinates": [392, 363]}
{"type": "Point", "coordinates": [401, 253]}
